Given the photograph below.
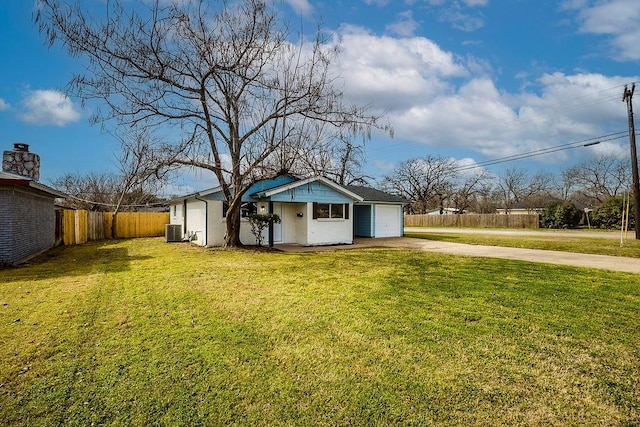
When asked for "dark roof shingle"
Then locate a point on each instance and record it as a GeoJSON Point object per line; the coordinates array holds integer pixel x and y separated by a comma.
{"type": "Point", "coordinates": [370, 194]}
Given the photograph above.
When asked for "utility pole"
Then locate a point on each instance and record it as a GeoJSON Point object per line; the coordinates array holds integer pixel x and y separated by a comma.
{"type": "Point", "coordinates": [628, 97]}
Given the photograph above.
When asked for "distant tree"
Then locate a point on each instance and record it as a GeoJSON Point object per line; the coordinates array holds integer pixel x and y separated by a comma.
{"type": "Point", "coordinates": [468, 190]}
{"type": "Point", "coordinates": [516, 186]}
{"type": "Point", "coordinates": [511, 187]}
{"type": "Point", "coordinates": [561, 214]}
{"type": "Point", "coordinates": [135, 186]}
{"type": "Point", "coordinates": [600, 178]}
{"type": "Point", "coordinates": [609, 214]}
{"type": "Point", "coordinates": [566, 186]}
{"type": "Point", "coordinates": [92, 191]}
{"type": "Point", "coordinates": [427, 182]}
{"type": "Point", "coordinates": [224, 79]}
{"type": "Point", "coordinates": [140, 173]}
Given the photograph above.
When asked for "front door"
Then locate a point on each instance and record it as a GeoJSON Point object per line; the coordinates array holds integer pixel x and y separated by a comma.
{"type": "Point", "coordinates": [277, 227]}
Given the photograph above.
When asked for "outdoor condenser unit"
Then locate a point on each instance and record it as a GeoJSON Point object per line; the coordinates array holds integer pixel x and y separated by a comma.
{"type": "Point", "coordinates": [173, 233]}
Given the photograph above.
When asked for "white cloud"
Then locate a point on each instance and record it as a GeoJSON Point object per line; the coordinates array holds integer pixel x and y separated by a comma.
{"type": "Point", "coordinates": [302, 7]}
{"type": "Point", "coordinates": [404, 25]}
{"type": "Point", "coordinates": [433, 98]}
{"type": "Point", "coordinates": [382, 165]}
{"type": "Point", "coordinates": [4, 105]}
{"type": "Point", "coordinates": [496, 124]}
{"type": "Point", "coordinates": [48, 107]}
{"type": "Point", "coordinates": [617, 19]}
{"type": "Point", "coordinates": [396, 73]}
{"type": "Point", "coordinates": [461, 21]}
{"type": "Point", "coordinates": [377, 2]}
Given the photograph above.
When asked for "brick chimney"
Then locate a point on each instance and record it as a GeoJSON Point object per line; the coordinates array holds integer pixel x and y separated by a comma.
{"type": "Point", "coordinates": [21, 162]}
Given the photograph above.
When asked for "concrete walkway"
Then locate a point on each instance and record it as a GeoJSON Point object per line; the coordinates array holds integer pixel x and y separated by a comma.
{"type": "Point", "coordinates": [623, 264]}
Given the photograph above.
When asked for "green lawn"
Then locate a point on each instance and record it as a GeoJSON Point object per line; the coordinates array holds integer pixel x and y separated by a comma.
{"type": "Point", "coordinates": [140, 332]}
{"type": "Point", "coordinates": [584, 245]}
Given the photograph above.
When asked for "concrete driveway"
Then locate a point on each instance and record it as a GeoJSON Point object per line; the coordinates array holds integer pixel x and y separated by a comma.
{"type": "Point", "coordinates": [623, 264]}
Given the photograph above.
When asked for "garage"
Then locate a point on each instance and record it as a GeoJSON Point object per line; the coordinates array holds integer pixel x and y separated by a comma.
{"type": "Point", "coordinates": [388, 221]}
{"type": "Point", "coordinates": [379, 214]}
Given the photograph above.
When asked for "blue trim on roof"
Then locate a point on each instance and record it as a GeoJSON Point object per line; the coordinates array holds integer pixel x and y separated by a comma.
{"type": "Point", "coordinates": [315, 191]}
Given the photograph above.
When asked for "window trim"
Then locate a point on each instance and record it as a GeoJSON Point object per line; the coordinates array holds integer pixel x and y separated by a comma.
{"type": "Point", "coordinates": [345, 211]}
{"type": "Point", "coordinates": [244, 212]}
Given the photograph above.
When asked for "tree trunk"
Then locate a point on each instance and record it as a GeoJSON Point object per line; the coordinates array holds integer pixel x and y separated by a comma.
{"type": "Point", "coordinates": [232, 236]}
{"type": "Point", "coordinates": [114, 223]}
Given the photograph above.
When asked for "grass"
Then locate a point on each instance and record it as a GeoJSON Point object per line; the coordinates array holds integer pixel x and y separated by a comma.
{"type": "Point", "coordinates": [140, 332]}
{"type": "Point", "coordinates": [578, 244]}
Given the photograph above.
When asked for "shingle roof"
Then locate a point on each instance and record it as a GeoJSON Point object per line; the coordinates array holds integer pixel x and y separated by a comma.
{"type": "Point", "coordinates": [9, 178]}
{"type": "Point", "coordinates": [370, 194]}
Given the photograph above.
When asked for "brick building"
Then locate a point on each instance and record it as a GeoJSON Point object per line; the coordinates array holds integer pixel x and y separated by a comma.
{"type": "Point", "coordinates": [27, 215]}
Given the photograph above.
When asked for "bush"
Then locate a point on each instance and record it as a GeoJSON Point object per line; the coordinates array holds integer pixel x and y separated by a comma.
{"type": "Point", "coordinates": [609, 215]}
{"type": "Point", "coordinates": [259, 222]}
{"type": "Point", "coordinates": [560, 215]}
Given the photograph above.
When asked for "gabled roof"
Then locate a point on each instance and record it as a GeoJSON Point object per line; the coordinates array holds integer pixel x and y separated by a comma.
{"type": "Point", "coordinates": [258, 185]}
{"type": "Point", "coordinates": [8, 178]}
{"type": "Point", "coordinates": [295, 184]}
{"type": "Point", "coordinates": [369, 194]}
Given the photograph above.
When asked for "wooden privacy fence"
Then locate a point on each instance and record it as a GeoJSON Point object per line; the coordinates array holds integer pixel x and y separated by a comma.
{"type": "Point", "coordinates": [473, 220]}
{"type": "Point", "coordinates": [79, 226]}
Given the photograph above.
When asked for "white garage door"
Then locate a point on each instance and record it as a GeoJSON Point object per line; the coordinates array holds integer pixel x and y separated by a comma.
{"type": "Point", "coordinates": [387, 221]}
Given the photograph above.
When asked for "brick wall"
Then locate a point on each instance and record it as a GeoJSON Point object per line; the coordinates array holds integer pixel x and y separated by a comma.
{"type": "Point", "coordinates": [27, 224]}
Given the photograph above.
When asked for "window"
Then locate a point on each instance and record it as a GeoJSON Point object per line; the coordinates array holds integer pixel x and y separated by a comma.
{"type": "Point", "coordinates": [330, 210]}
{"type": "Point", "coordinates": [337, 211]}
{"type": "Point", "coordinates": [175, 210]}
{"type": "Point", "coordinates": [246, 209]}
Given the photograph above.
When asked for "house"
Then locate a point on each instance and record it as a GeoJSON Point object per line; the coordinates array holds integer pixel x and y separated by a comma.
{"type": "Point", "coordinates": [313, 211]}
{"type": "Point", "coordinates": [27, 215]}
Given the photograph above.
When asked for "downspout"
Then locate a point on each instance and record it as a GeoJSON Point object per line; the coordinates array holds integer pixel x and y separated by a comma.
{"type": "Point", "coordinates": [206, 220]}
{"type": "Point", "coordinates": [184, 215]}
{"type": "Point", "coordinates": [270, 225]}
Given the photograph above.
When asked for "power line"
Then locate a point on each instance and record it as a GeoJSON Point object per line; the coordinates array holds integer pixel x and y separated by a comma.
{"type": "Point", "coordinates": [93, 202]}
{"type": "Point", "coordinates": [575, 144]}
{"type": "Point", "coordinates": [587, 100]}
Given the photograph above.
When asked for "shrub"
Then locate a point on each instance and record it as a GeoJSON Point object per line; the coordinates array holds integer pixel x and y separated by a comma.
{"type": "Point", "coordinates": [259, 222]}
{"type": "Point", "coordinates": [560, 215]}
{"type": "Point", "coordinates": [609, 215]}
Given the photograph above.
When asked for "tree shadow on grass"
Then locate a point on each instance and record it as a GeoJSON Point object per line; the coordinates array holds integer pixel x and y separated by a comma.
{"type": "Point", "coordinates": [102, 257]}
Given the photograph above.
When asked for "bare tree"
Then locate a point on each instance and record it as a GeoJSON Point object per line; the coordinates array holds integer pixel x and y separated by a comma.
{"type": "Point", "coordinates": [427, 182]}
{"type": "Point", "coordinates": [141, 172]}
{"type": "Point", "coordinates": [567, 185]}
{"type": "Point", "coordinates": [341, 162]}
{"type": "Point", "coordinates": [223, 79]}
{"type": "Point", "coordinates": [92, 191]}
{"type": "Point", "coordinates": [600, 178]}
{"type": "Point", "coordinates": [538, 193]}
{"type": "Point", "coordinates": [468, 188]}
{"type": "Point", "coordinates": [516, 186]}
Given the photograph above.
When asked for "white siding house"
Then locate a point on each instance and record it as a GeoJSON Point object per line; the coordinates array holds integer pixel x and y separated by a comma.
{"type": "Point", "coordinates": [313, 211]}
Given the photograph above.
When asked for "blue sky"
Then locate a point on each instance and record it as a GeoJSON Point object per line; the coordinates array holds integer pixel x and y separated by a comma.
{"type": "Point", "coordinates": [471, 79]}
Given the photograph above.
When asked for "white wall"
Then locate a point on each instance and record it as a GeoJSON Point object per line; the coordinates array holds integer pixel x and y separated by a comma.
{"type": "Point", "coordinates": [328, 231]}
{"type": "Point", "coordinates": [195, 220]}
{"type": "Point", "coordinates": [295, 230]}
{"type": "Point", "coordinates": [178, 218]}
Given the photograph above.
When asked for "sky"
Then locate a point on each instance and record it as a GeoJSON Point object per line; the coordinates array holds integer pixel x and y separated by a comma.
{"type": "Point", "coordinates": [474, 80]}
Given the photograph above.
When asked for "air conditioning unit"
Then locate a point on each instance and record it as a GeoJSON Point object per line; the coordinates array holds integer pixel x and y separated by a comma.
{"type": "Point", "coordinates": [173, 233]}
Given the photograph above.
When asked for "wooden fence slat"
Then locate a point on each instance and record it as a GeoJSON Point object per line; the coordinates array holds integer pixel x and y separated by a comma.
{"type": "Point", "coordinates": [69, 227]}
{"type": "Point", "coordinates": [473, 221]}
{"type": "Point", "coordinates": [80, 226]}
